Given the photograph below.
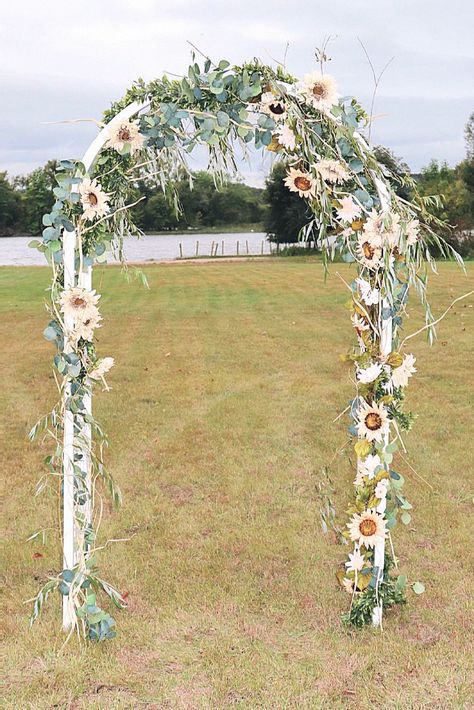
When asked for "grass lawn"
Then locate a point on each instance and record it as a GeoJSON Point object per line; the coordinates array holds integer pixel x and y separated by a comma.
{"type": "Point", "coordinates": [226, 384]}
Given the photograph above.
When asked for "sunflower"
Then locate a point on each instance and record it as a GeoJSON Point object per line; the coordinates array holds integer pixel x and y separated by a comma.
{"type": "Point", "coordinates": [85, 326]}
{"type": "Point", "coordinates": [273, 106]}
{"type": "Point", "coordinates": [332, 170]}
{"type": "Point", "coordinates": [373, 228]}
{"type": "Point", "coordinates": [286, 137]}
{"type": "Point", "coordinates": [348, 210]}
{"type": "Point", "coordinates": [367, 528]}
{"type": "Point", "coordinates": [302, 183]}
{"type": "Point", "coordinates": [373, 421]}
{"type": "Point", "coordinates": [367, 254]}
{"type": "Point", "coordinates": [412, 232]}
{"type": "Point", "coordinates": [356, 561]}
{"type": "Point", "coordinates": [369, 295]}
{"type": "Point", "coordinates": [93, 200]}
{"type": "Point", "coordinates": [124, 133]}
{"type": "Point", "coordinates": [392, 230]}
{"type": "Point", "coordinates": [402, 374]}
{"type": "Point", "coordinates": [319, 91]}
{"type": "Point", "coordinates": [101, 368]}
{"type": "Point", "coordinates": [369, 374]}
{"type": "Point", "coordinates": [381, 488]}
{"type": "Point", "coordinates": [369, 465]}
{"type": "Point", "coordinates": [78, 303]}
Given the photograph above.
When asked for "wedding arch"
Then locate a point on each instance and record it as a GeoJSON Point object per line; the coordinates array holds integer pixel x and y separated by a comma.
{"type": "Point", "coordinates": [355, 213]}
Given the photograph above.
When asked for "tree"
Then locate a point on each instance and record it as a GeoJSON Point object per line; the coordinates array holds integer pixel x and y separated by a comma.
{"type": "Point", "coordinates": [469, 137]}
{"type": "Point", "coordinates": [397, 167]}
{"type": "Point", "coordinates": [10, 207]}
{"type": "Point", "coordinates": [36, 190]}
{"type": "Point", "coordinates": [457, 200]}
{"type": "Point", "coordinates": [287, 212]}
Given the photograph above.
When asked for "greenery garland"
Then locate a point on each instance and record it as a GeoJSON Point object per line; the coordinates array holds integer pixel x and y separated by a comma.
{"type": "Point", "coordinates": [318, 135]}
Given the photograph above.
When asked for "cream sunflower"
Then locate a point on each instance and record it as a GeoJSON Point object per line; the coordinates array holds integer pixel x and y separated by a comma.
{"type": "Point", "coordinates": [286, 137]}
{"type": "Point", "coordinates": [332, 170]}
{"type": "Point", "coordinates": [412, 232]}
{"type": "Point", "coordinates": [367, 375]}
{"type": "Point", "coordinates": [369, 465]}
{"type": "Point", "coordinates": [302, 183]}
{"type": "Point", "coordinates": [78, 303]}
{"type": "Point", "coordinates": [93, 200]}
{"type": "Point", "coordinates": [367, 254]}
{"type": "Point", "coordinates": [124, 133]}
{"type": "Point", "coordinates": [402, 374]}
{"type": "Point", "coordinates": [367, 528]}
{"type": "Point", "coordinates": [356, 561]}
{"type": "Point", "coordinates": [319, 91]}
{"type": "Point", "coordinates": [373, 228]}
{"type": "Point", "coordinates": [381, 488]}
{"type": "Point", "coordinates": [373, 421]}
{"type": "Point", "coordinates": [348, 210]}
{"type": "Point", "coordinates": [369, 295]}
{"type": "Point", "coordinates": [101, 368]}
{"type": "Point", "coordinates": [273, 106]}
{"type": "Point", "coordinates": [85, 326]}
{"type": "Point", "coordinates": [392, 230]}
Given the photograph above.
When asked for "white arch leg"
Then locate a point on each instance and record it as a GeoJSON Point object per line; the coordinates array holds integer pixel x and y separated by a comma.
{"type": "Point", "coordinates": [84, 279]}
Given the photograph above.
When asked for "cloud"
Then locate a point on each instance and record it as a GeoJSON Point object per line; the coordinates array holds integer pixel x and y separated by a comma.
{"type": "Point", "coordinates": [61, 60]}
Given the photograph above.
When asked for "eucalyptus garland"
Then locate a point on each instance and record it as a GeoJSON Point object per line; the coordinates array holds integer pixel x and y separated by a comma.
{"type": "Point", "coordinates": [318, 134]}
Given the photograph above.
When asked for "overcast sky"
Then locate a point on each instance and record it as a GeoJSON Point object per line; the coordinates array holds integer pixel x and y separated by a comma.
{"type": "Point", "coordinates": [64, 60]}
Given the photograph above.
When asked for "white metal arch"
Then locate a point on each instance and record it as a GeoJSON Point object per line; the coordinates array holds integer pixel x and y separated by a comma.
{"type": "Point", "coordinates": [84, 279]}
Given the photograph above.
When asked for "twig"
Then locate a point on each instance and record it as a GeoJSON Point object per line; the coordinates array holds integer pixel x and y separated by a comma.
{"type": "Point", "coordinates": [108, 216]}
{"type": "Point", "coordinates": [433, 323]}
{"type": "Point", "coordinates": [341, 414]}
{"type": "Point", "coordinates": [376, 82]}
{"type": "Point", "coordinates": [100, 124]}
{"type": "Point", "coordinates": [416, 472]}
{"type": "Point", "coordinates": [199, 51]}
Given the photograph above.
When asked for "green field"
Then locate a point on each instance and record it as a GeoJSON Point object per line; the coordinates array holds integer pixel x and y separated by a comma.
{"type": "Point", "coordinates": [226, 384]}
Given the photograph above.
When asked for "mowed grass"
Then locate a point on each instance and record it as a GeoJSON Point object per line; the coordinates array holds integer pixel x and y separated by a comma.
{"type": "Point", "coordinates": [220, 417]}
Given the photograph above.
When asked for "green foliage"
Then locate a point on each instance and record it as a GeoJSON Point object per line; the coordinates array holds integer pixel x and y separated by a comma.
{"type": "Point", "coordinates": [10, 207]}
{"type": "Point", "coordinates": [390, 591]}
{"type": "Point", "coordinates": [36, 191]}
{"type": "Point", "coordinates": [200, 204]}
{"type": "Point", "coordinates": [455, 186]}
{"type": "Point", "coordinates": [360, 613]}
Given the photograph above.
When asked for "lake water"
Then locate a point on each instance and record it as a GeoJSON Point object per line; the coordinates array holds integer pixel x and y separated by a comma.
{"type": "Point", "coordinates": [14, 251]}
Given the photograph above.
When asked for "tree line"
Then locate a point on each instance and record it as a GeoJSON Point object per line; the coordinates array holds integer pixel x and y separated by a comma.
{"type": "Point", "coordinates": [24, 200]}
{"type": "Point", "coordinates": [275, 210]}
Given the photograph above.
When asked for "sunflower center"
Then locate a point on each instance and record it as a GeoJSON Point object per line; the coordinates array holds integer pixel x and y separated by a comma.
{"type": "Point", "coordinates": [368, 527]}
{"type": "Point", "coordinates": [278, 109]}
{"type": "Point", "coordinates": [124, 134]}
{"type": "Point", "coordinates": [318, 90]}
{"type": "Point", "coordinates": [92, 199]}
{"type": "Point", "coordinates": [302, 183]}
{"type": "Point", "coordinates": [368, 250]}
{"type": "Point", "coordinates": [79, 302]}
{"type": "Point", "coordinates": [373, 421]}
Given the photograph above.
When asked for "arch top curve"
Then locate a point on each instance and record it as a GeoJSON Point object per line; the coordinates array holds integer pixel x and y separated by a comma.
{"type": "Point", "coordinates": [97, 144]}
